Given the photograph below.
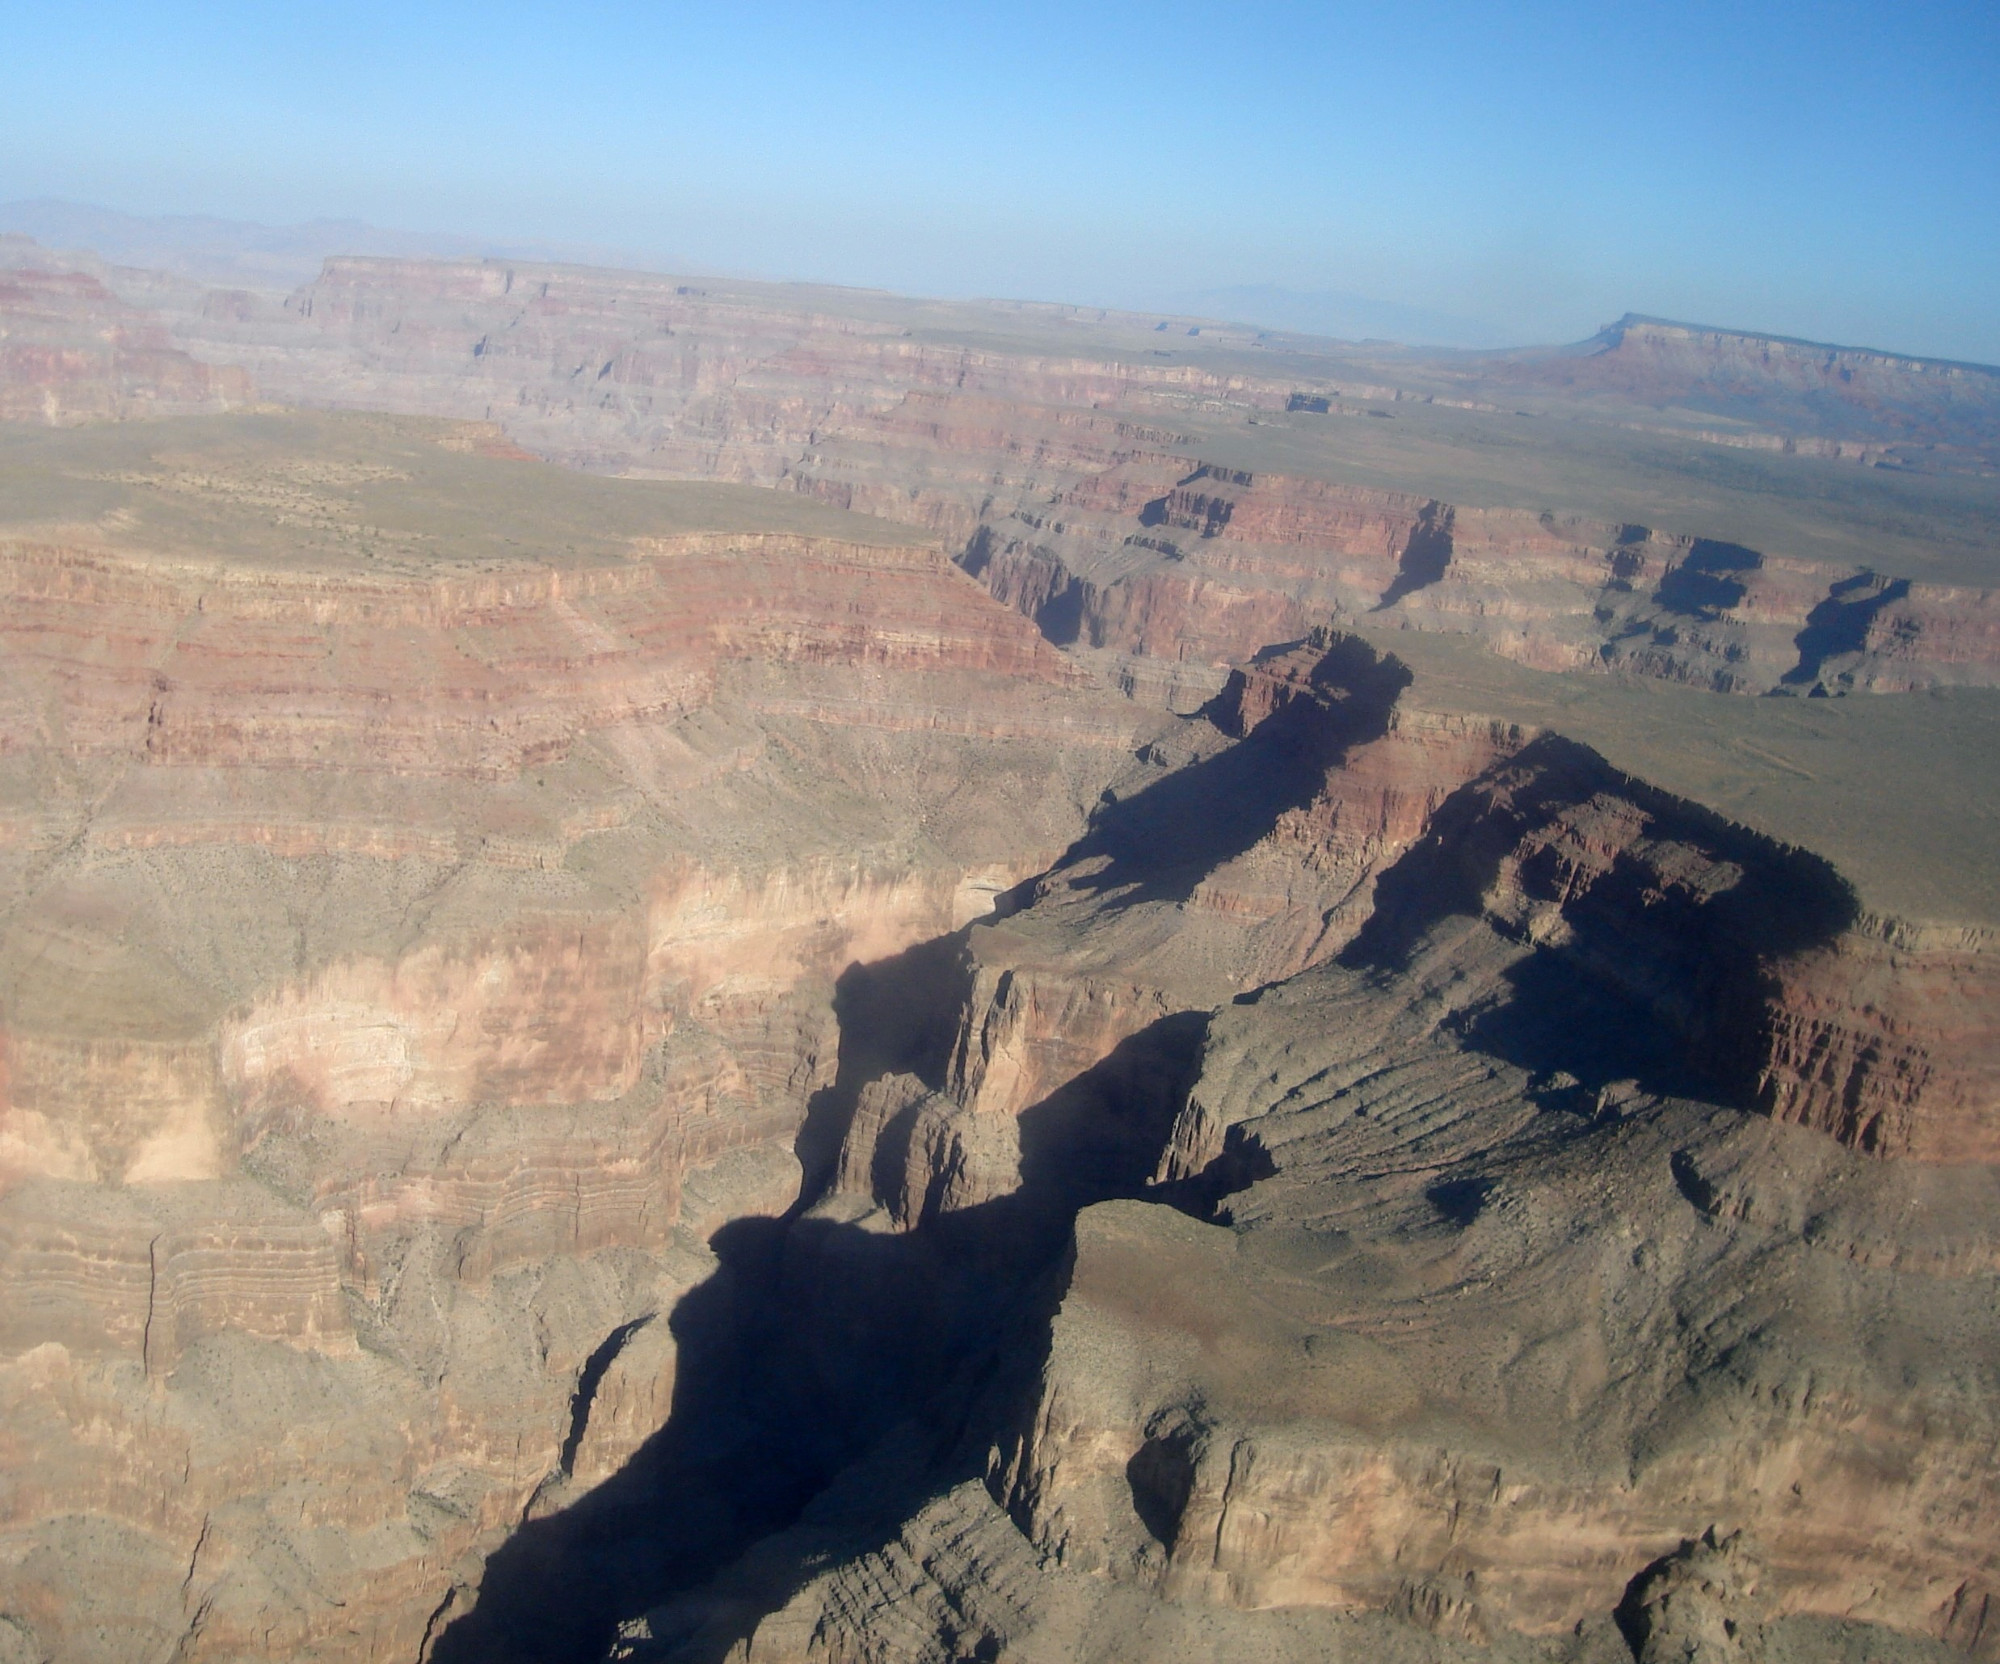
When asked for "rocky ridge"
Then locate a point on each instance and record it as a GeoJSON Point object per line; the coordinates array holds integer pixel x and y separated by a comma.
{"type": "Point", "coordinates": [1496, 1302]}
{"type": "Point", "coordinates": [1843, 392]}
{"type": "Point", "coordinates": [603, 1066]}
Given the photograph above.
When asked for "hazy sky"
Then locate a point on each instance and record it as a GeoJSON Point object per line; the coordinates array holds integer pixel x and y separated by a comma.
{"type": "Point", "coordinates": [1829, 170]}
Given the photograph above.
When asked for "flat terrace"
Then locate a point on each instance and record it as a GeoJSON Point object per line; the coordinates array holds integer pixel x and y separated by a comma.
{"type": "Point", "coordinates": [385, 496]}
{"type": "Point", "coordinates": [1900, 791]}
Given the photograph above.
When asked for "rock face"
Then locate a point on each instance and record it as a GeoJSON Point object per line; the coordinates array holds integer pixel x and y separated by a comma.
{"type": "Point", "coordinates": [1075, 497]}
{"type": "Point", "coordinates": [1240, 559]}
{"type": "Point", "coordinates": [847, 410]}
{"type": "Point", "coordinates": [1510, 1281]}
{"type": "Point", "coordinates": [922, 1042]}
{"type": "Point", "coordinates": [1840, 391]}
{"type": "Point", "coordinates": [412, 955]}
{"type": "Point", "coordinates": [71, 351]}
{"type": "Point", "coordinates": [1078, 480]}
{"type": "Point", "coordinates": [1884, 1039]}
{"type": "Point", "coordinates": [1695, 1603]}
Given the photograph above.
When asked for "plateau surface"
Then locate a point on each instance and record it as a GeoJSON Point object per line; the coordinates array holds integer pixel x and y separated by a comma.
{"type": "Point", "coordinates": [697, 971]}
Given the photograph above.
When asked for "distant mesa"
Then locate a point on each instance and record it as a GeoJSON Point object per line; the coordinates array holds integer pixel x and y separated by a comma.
{"type": "Point", "coordinates": [701, 970]}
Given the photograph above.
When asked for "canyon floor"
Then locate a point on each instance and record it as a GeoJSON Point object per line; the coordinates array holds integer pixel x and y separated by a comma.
{"type": "Point", "coordinates": [706, 971]}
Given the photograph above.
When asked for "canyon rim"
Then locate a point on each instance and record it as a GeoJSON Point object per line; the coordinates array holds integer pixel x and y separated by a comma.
{"type": "Point", "coordinates": [695, 970]}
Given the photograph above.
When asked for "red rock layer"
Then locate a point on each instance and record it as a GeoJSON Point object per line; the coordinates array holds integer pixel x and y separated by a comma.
{"type": "Point", "coordinates": [1887, 1039]}
{"type": "Point", "coordinates": [491, 919]}
{"type": "Point", "coordinates": [211, 668]}
{"type": "Point", "coordinates": [70, 351]}
{"type": "Point", "coordinates": [1223, 562]}
{"type": "Point", "coordinates": [974, 441]}
{"type": "Point", "coordinates": [629, 373]}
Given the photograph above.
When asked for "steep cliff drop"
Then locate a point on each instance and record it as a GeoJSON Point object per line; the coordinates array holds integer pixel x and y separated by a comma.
{"type": "Point", "coordinates": [1413, 1286]}
{"type": "Point", "coordinates": [1178, 509]}
{"type": "Point", "coordinates": [427, 878]}
{"type": "Point", "coordinates": [1067, 1002]}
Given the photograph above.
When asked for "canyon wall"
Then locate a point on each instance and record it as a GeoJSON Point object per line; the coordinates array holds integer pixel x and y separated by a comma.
{"type": "Point", "coordinates": [586, 1064]}
{"type": "Point", "coordinates": [1223, 561]}
{"type": "Point", "coordinates": [395, 1079]}
{"type": "Point", "coordinates": [1432, 1285]}
{"type": "Point", "coordinates": [406, 969]}
{"type": "Point", "coordinates": [71, 351]}
{"type": "Point", "coordinates": [1073, 481]}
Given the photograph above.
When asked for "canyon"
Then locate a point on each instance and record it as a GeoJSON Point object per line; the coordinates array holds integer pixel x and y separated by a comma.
{"type": "Point", "coordinates": [696, 971]}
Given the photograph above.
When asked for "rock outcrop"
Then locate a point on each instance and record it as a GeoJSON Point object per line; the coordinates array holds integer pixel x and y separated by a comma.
{"type": "Point", "coordinates": [1839, 392]}
{"type": "Point", "coordinates": [1238, 559]}
{"type": "Point", "coordinates": [1470, 1287]}
{"type": "Point", "coordinates": [414, 952]}
{"type": "Point", "coordinates": [71, 351]}
{"type": "Point", "coordinates": [906, 1036]}
{"type": "Point", "coordinates": [1080, 481]}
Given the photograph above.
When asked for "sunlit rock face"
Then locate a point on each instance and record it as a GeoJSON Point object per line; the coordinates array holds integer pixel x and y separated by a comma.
{"type": "Point", "coordinates": [1072, 462]}
{"type": "Point", "coordinates": [990, 1014]}
{"type": "Point", "coordinates": [417, 943]}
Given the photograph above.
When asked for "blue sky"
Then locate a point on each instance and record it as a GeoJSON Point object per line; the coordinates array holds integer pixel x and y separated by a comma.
{"type": "Point", "coordinates": [1517, 172]}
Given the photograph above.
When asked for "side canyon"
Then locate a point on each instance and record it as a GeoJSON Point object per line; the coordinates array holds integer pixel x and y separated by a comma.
{"type": "Point", "coordinates": [697, 971]}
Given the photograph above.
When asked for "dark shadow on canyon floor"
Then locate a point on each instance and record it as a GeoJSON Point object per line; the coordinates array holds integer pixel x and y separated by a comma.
{"type": "Point", "coordinates": [1159, 843]}
{"type": "Point", "coordinates": [1651, 977]}
{"type": "Point", "coordinates": [821, 1338]}
{"type": "Point", "coordinates": [1425, 557]}
{"type": "Point", "coordinates": [815, 1338]}
{"type": "Point", "coordinates": [1841, 622]}
{"type": "Point", "coordinates": [897, 1016]}
{"type": "Point", "coordinates": [1707, 583]}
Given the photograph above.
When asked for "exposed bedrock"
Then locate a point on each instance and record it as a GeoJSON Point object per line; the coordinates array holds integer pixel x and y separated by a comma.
{"type": "Point", "coordinates": [1886, 1039]}
{"type": "Point", "coordinates": [1080, 504]}
{"type": "Point", "coordinates": [1841, 390]}
{"type": "Point", "coordinates": [1074, 480]}
{"type": "Point", "coordinates": [1335, 1439]}
{"type": "Point", "coordinates": [1226, 561]}
{"type": "Point", "coordinates": [484, 1165]}
{"type": "Point", "coordinates": [442, 1271]}
{"type": "Point", "coordinates": [404, 974]}
{"type": "Point", "coordinates": [592, 1069]}
{"type": "Point", "coordinates": [1522, 1046]}
{"type": "Point", "coordinates": [1488, 1224]}
{"type": "Point", "coordinates": [1483, 1289]}
{"type": "Point", "coordinates": [71, 351]}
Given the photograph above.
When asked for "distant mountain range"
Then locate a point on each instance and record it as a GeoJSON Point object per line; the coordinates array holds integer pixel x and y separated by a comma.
{"type": "Point", "coordinates": [1652, 359]}
{"type": "Point", "coordinates": [245, 254]}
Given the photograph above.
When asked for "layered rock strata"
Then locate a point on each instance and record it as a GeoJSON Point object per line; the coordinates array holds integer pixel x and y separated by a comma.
{"type": "Point", "coordinates": [1221, 561]}
{"type": "Point", "coordinates": [585, 1054]}
{"type": "Point", "coordinates": [71, 351]}
{"type": "Point", "coordinates": [413, 951]}
{"type": "Point", "coordinates": [1838, 391]}
{"type": "Point", "coordinates": [1508, 1285]}
{"type": "Point", "coordinates": [1075, 469]}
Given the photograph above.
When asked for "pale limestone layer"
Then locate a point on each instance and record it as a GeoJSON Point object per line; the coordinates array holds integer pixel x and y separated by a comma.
{"type": "Point", "coordinates": [409, 962]}
{"type": "Point", "coordinates": [435, 890]}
